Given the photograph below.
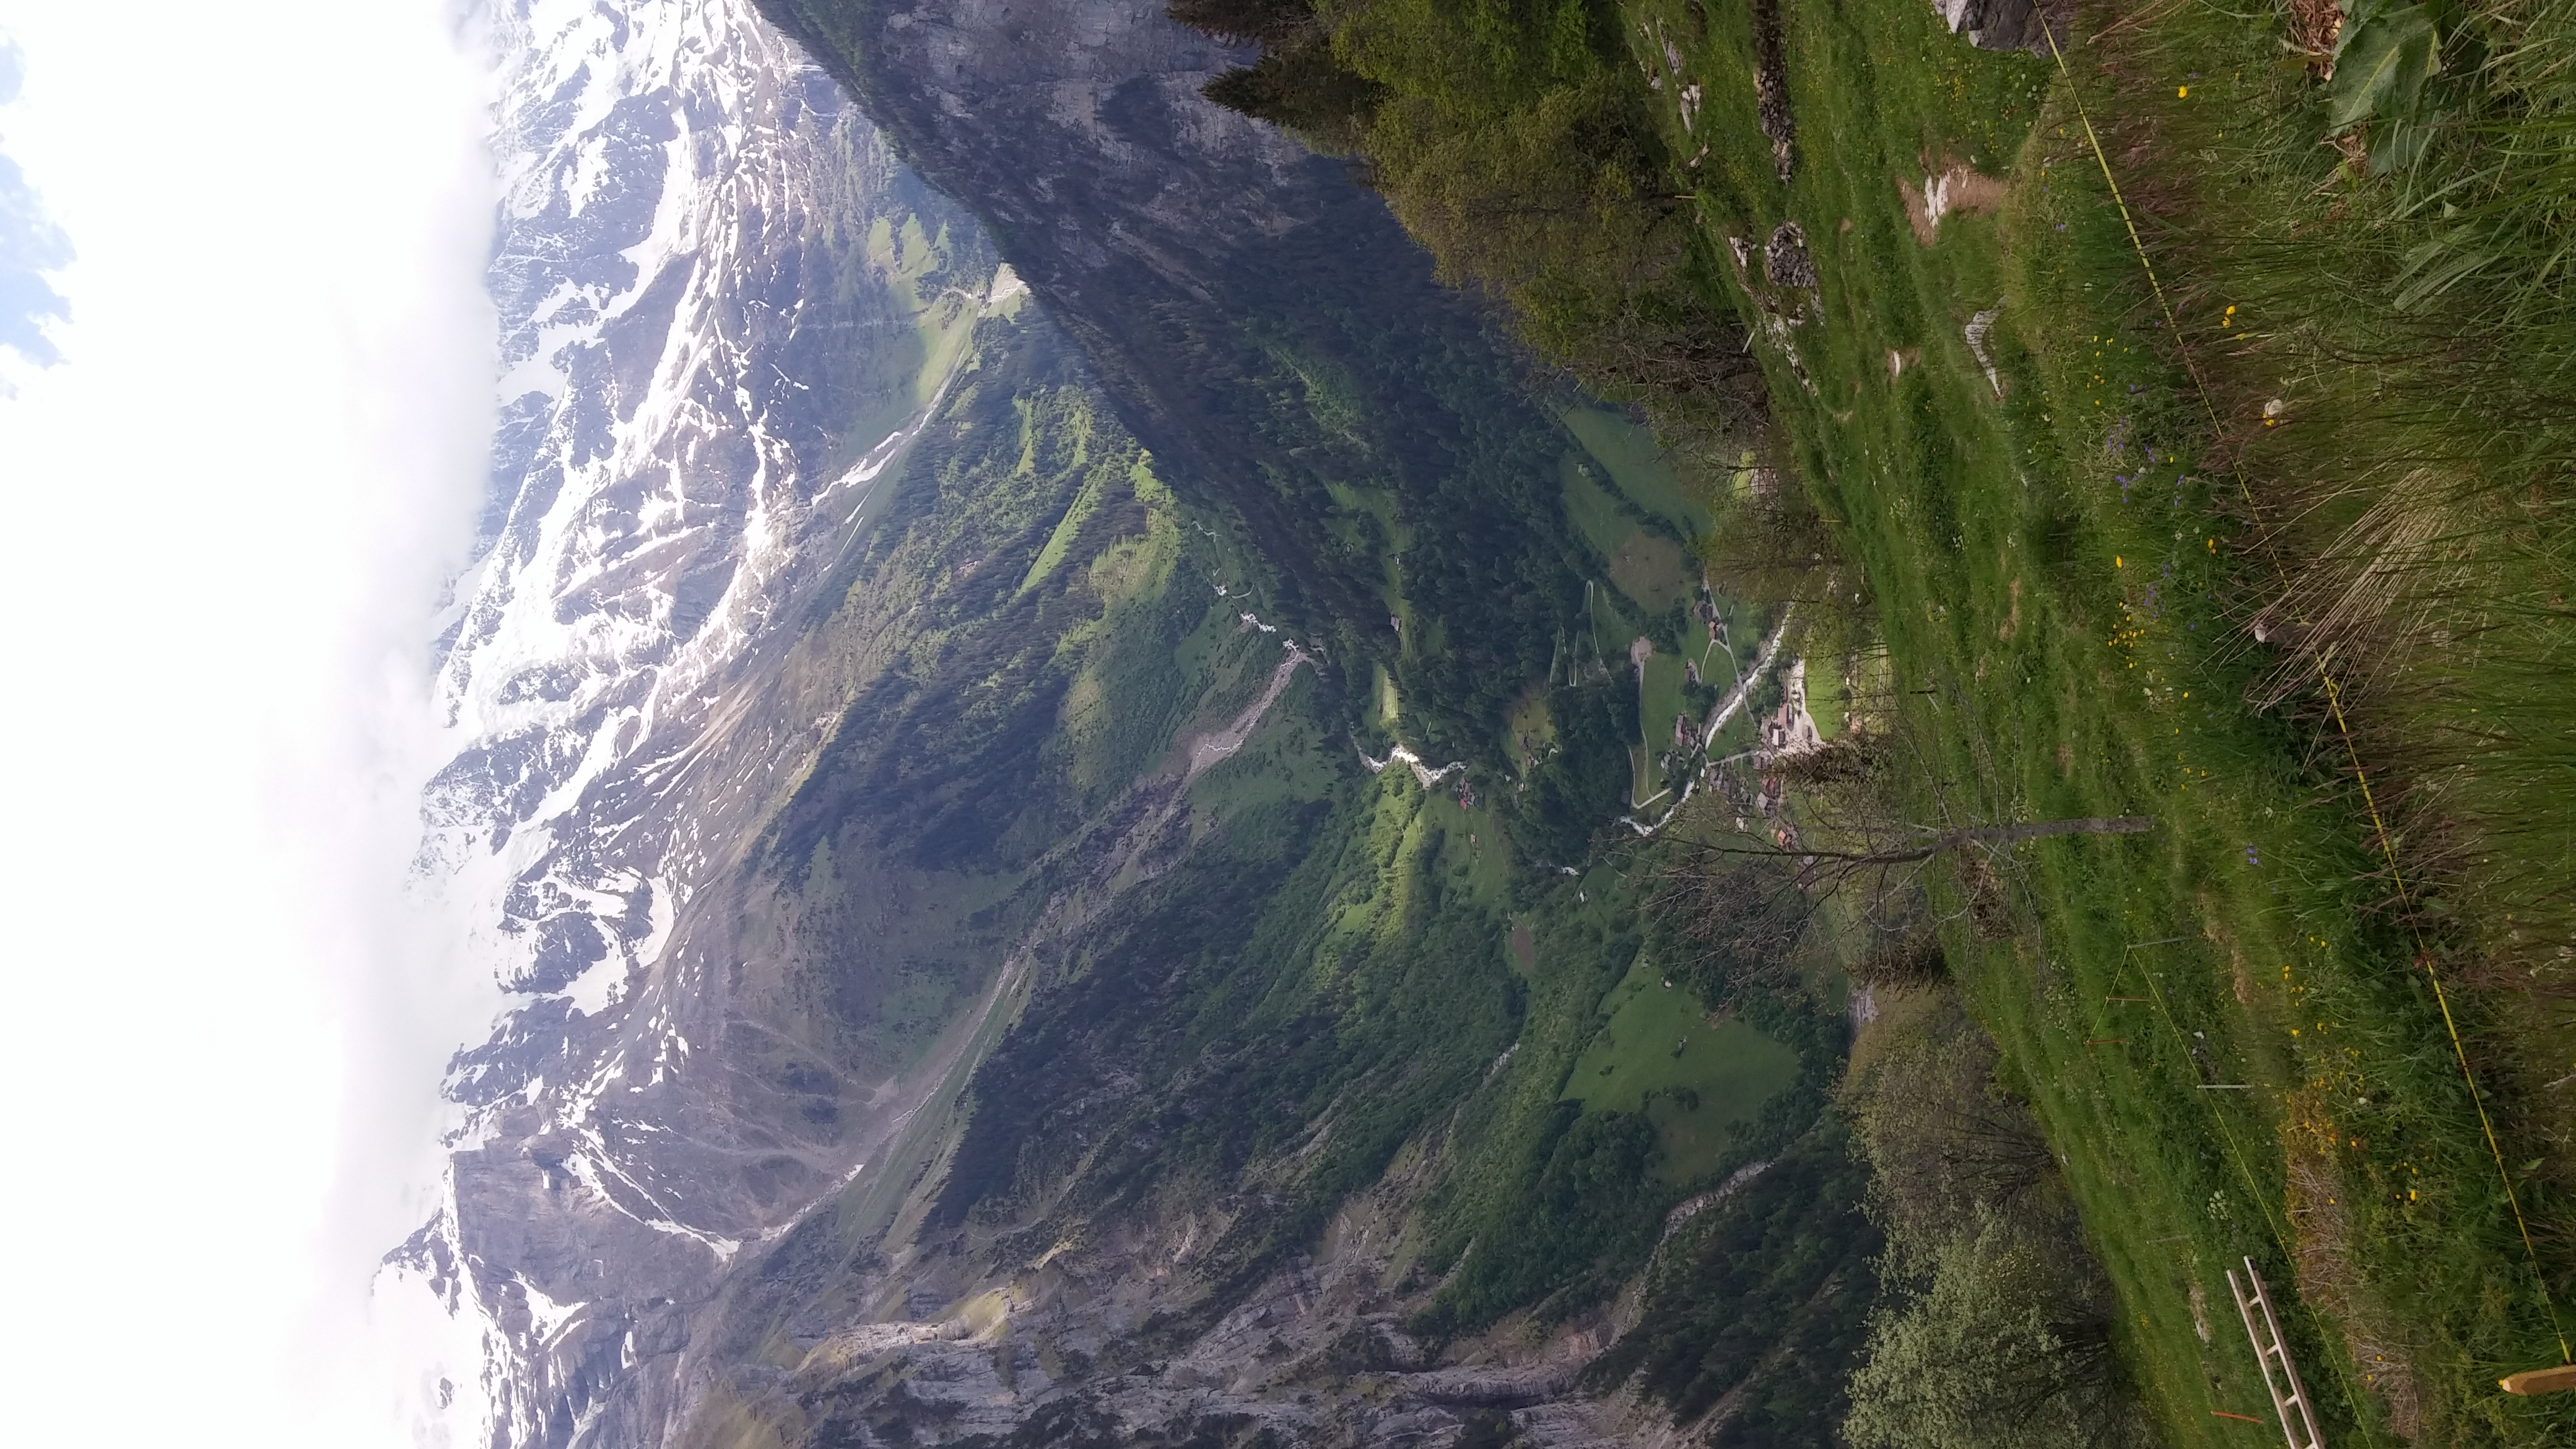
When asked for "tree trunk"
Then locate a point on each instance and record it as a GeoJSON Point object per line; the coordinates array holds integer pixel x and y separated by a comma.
{"type": "Point", "coordinates": [2001, 835]}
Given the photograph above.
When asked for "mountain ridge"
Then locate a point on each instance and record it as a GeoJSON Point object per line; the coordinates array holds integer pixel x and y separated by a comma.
{"type": "Point", "coordinates": [988, 895]}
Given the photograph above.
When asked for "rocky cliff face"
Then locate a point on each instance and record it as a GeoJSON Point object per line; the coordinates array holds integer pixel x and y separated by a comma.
{"type": "Point", "coordinates": [724, 306]}
{"type": "Point", "coordinates": [1255, 313]}
{"type": "Point", "coordinates": [1076, 131]}
{"type": "Point", "coordinates": [1104, 1343]}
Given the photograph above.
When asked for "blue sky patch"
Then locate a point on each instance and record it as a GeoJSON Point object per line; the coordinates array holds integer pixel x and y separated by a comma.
{"type": "Point", "coordinates": [30, 246]}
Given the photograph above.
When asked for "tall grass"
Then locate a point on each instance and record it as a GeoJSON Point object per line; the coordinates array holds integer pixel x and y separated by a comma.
{"type": "Point", "coordinates": [2390, 360]}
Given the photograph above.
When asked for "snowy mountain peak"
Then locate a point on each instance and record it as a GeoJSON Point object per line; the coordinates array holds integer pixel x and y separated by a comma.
{"type": "Point", "coordinates": [725, 310]}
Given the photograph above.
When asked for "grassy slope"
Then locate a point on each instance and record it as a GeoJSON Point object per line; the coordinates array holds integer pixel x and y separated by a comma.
{"type": "Point", "coordinates": [1624, 499]}
{"type": "Point", "coordinates": [2059, 595]}
{"type": "Point", "coordinates": [1660, 1043]}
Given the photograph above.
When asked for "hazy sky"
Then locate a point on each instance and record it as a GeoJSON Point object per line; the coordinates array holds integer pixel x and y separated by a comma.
{"type": "Point", "coordinates": [248, 240]}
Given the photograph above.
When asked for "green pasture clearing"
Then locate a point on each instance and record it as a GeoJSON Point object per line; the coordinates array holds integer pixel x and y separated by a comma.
{"type": "Point", "coordinates": [1716, 664]}
{"type": "Point", "coordinates": [2050, 570]}
{"type": "Point", "coordinates": [1825, 696]}
{"type": "Point", "coordinates": [1528, 731]}
{"type": "Point", "coordinates": [1659, 701]}
{"type": "Point", "coordinates": [1695, 1079]}
{"type": "Point", "coordinates": [1590, 507]}
{"type": "Point", "coordinates": [1739, 735]}
{"type": "Point", "coordinates": [1474, 858]}
{"type": "Point", "coordinates": [1637, 467]}
{"type": "Point", "coordinates": [1650, 569]}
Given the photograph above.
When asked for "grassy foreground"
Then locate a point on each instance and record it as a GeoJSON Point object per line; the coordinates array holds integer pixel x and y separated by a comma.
{"type": "Point", "coordinates": [2220, 1026]}
{"type": "Point", "coordinates": [2270, 547]}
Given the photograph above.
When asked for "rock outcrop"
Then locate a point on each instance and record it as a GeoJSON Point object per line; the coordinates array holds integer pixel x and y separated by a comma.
{"type": "Point", "coordinates": [1197, 256]}
{"type": "Point", "coordinates": [2002, 24]}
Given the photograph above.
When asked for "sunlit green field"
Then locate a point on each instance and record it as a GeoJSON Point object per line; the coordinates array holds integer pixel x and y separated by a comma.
{"type": "Point", "coordinates": [1693, 1078]}
{"type": "Point", "coordinates": [2232, 1054]}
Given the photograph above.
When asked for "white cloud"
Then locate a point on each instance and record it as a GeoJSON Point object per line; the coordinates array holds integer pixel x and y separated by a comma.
{"type": "Point", "coordinates": [32, 248]}
{"type": "Point", "coordinates": [228, 511]}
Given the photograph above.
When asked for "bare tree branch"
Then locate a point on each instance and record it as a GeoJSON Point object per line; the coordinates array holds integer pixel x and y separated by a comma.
{"type": "Point", "coordinates": [1946, 840]}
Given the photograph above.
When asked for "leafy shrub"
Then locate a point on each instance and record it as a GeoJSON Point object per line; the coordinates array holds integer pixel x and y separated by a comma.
{"type": "Point", "coordinates": [1997, 1335]}
{"type": "Point", "coordinates": [1993, 1353]}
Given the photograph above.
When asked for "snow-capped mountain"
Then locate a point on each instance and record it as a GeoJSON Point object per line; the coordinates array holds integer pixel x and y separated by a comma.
{"type": "Point", "coordinates": [725, 309]}
{"type": "Point", "coordinates": [837, 706]}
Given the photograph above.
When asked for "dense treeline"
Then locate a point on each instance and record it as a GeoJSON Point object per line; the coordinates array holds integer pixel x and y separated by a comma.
{"type": "Point", "coordinates": [1998, 1332]}
{"type": "Point", "coordinates": [1763, 1297]}
{"type": "Point", "coordinates": [1514, 141]}
{"type": "Point", "coordinates": [1568, 795]}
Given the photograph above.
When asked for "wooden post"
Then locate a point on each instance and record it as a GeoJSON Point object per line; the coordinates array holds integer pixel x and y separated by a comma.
{"type": "Point", "coordinates": [2540, 1381]}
